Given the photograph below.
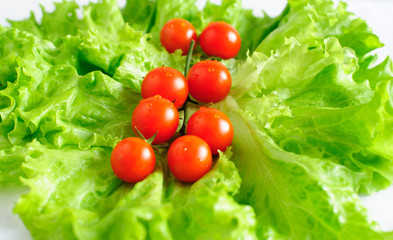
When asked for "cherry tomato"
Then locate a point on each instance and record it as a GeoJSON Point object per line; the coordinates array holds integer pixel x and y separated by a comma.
{"type": "Point", "coordinates": [220, 39]}
{"type": "Point", "coordinates": [133, 160]}
{"type": "Point", "coordinates": [167, 82]}
{"type": "Point", "coordinates": [189, 158]}
{"type": "Point", "coordinates": [209, 81]}
{"type": "Point", "coordinates": [177, 34]}
{"type": "Point", "coordinates": [213, 126]}
{"type": "Point", "coordinates": [156, 115]}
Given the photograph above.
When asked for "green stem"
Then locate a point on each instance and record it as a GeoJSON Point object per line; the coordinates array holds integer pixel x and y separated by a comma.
{"type": "Point", "coordinates": [184, 108]}
{"type": "Point", "coordinates": [189, 57]}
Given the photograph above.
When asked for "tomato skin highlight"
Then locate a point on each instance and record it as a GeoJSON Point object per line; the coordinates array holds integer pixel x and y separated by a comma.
{"type": "Point", "coordinates": [177, 34]}
{"type": "Point", "coordinates": [167, 82]}
{"type": "Point", "coordinates": [189, 158]}
{"type": "Point", "coordinates": [209, 81]}
{"type": "Point", "coordinates": [155, 115]}
{"type": "Point", "coordinates": [213, 126]}
{"type": "Point", "coordinates": [220, 39]}
{"type": "Point", "coordinates": [133, 159]}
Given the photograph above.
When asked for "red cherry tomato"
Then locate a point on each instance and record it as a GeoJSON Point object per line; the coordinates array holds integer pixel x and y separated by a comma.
{"type": "Point", "coordinates": [189, 158]}
{"type": "Point", "coordinates": [209, 81]}
{"type": "Point", "coordinates": [177, 34]}
{"type": "Point", "coordinates": [220, 39]}
{"type": "Point", "coordinates": [156, 115]}
{"type": "Point", "coordinates": [167, 82]}
{"type": "Point", "coordinates": [213, 126]}
{"type": "Point", "coordinates": [133, 160]}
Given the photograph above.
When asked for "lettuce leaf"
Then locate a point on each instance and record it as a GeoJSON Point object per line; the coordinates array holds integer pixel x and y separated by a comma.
{"type": "Point", "coordinates": [55, 25]}
{"type": "Point", "coordinates": [206, 209]}
{"type": "Point", "coordinates": [327, 113]}
{"type": "Point", "coordinates": [107, 208]}
{"type": "Point", "coordinates": [60, 110]}
{"type": "Point", "coordinates": [311, 21]}
{"type": "Point", "coordinates": [45, 99]}
{"type": "Point", "coordinates": [16, 45]}
{"type": "Point", "coordinates": [294, 196]}
{"type": "Point", "coordinates": [140, 15]}
{"type": "Point", "coordinates": [121, 55]}
{"type": "Point", "coordinates": [11, 159]}
{"type": "Point", "coordinates": [104, 16]}
{"type": "Point", "coordinates": [373, 74]}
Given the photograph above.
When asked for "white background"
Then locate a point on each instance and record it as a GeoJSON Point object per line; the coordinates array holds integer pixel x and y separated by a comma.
{"type": "Point", "coordinates": [378, 14]}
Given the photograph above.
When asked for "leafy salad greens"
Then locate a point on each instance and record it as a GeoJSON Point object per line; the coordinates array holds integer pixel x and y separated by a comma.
{"type": "Point", "coordinates": [312, 115]}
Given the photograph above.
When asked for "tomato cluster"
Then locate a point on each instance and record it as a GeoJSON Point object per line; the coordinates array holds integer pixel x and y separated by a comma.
{"type": "Point", "coordinates": [165, 92]}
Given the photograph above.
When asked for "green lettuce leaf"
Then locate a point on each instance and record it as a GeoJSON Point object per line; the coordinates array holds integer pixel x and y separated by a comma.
{"type": "Point", "coordinates": [357, 137]}
{"type": "Point", "coordinates": [53, 26]}
{"type": "Point", "coordinates": [43, 98]}
{"type": "Point", "coordinates": [311, 103]}
{"type": "Point", "coordinates": [311, 21]}
{"type": "Point", "coordinates": [121, 55]}
{"type": "Point", "coordinates": [207, 210]}
{"type": "Point", "coordinates": [60, 110]}
{"type": "Point", "coordinates": [374, 74]}
{"type": "Point", "coordinates": [107, 208]}
{"type": "Point", "coordinates": [328, 103]}
{"type": "Point", "coordinates": [294, 196]}
{"type": "Point", "coordinates": [60, 113]}
{"type": "Point", "coordinates": [16, 45]}
{"type": "Point", "coordinates": [104, 16]}
{"type": "Point", "coordinates": [140, 15]}
{"type": "Point", "coordinates": [345, 126]}
{"type": "Point", "coordinates": [11, 159]}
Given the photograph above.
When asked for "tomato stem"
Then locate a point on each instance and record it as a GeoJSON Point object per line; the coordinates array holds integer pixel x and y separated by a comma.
{"type": "Point", "coordinates": [189, 57]}
{"type": "Point", "coordinates": [184, 108]}
{"type": "Point", "coordinates": [150, 140]}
